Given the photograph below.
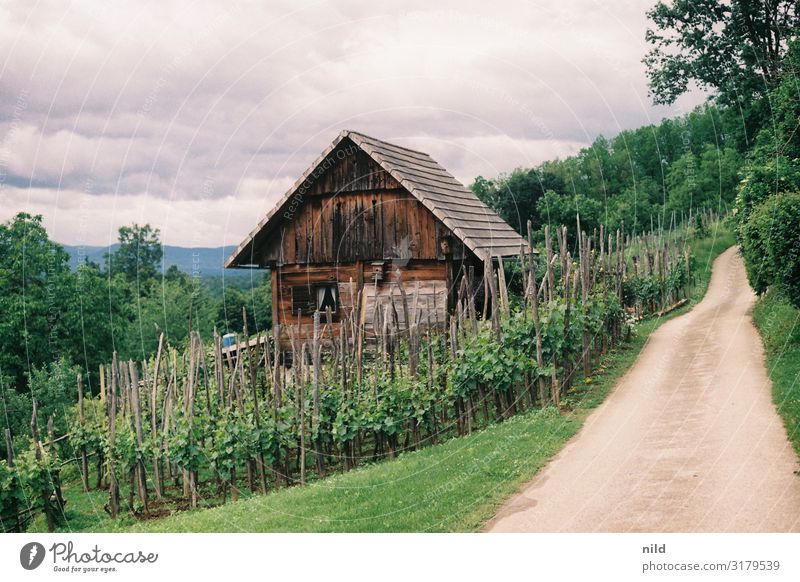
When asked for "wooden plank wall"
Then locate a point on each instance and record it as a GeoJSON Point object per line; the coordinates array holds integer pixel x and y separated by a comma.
{"type": "Point", "coordinates": [427, 301]}
{"type": "Point", "coordinates": [355, 211]}
{"type": "Point", "coordinates": [427, 280]}
{"type": "Point", "coordinates": [351, 226]}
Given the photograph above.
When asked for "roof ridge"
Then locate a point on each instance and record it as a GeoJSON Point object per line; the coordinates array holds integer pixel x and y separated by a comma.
{"type": "Point", "coordinates": [348, 132]}
{"type": "Point", "coordinates": [444, 195]}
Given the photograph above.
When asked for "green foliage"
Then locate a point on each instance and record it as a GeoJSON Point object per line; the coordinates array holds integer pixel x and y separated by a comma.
{"type": "Point", "coordinates": [767, 209]}
{"type": "Point", "coordinates": [11, 490]}
{"type": "Point", "coordinates": [700, 229]}
{"type": "Point", "coordinates": [733, 48]}
{"type": "Point", "coordinates": [516, 196]}
{"type": "Point", "coordinates": [347, 422]}
{"type": "Point", "coordinates": [231, 437]}
{"type": "Point", "coordinates": [771, 246]}
{"type": "Point", "coordinates": [168, 308]}
{"type": "Point", "coordinates": [54, 388]}
{"type": "Point", "coordinates": [257, 299]}
{"type": "Point", "coordinates": [99, 315]}
{"type": "Point", "coordinates": [556, 209]}
{"type": "Point", "coordinates": [681, 165]}
{"type": "Point", "coordinates": [707, 180]}
{"type": "Point", "coordinates": [24, 483]}
{"type": "Point", "coordinates": [15, 409]}
{"type": "Point", "coordinates": [91, 433]}
{"type": "Point", "coordinates": [52, 318]}
{"type": "Point", "coordinates": [184, 447]}
{"type": "Point", "coordinates": [138, 255]}
{"type": "Point", "coordinates": [34, 296]}
{"type": "Point", "coordinates": [483, 361]}
{"type": "Point", "coordinates": [768, 174]}
{"type": "Point", "coordinates": [778, 321]}
{"type": "Point", "coordinates": [275, 436]}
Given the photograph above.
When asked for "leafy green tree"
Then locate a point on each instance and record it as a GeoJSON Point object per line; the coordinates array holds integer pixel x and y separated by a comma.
{"type": "Point", "coordinates": [514, 196]}
{"type": "Point", "coordinates": [633, 206]}
{"type": "Point", "coordinates": [172, 306]}
{"type": "Point", "coordinates": [773, 164]}
{"type": "Point", "coordinates": [15, 408]}
{"type": "Point", "coordinates": [100, 312]}
{"type": "Point", "coordinates": [257, 300]}
{"type": "Point", "coordinates": [54, 386]}
{"type": "Point", "coordinates": [35, 284]}
{"type": "Point", "coordinates": [556, 210]}
{"type": "Point", "coordinates": [719, 175]}
{"type": "Point", "coordinates": [138, 255]}
{"type": "Point", "coordinates": [734, 48]}
{"type": "Point", "coordinates": [708, 180]}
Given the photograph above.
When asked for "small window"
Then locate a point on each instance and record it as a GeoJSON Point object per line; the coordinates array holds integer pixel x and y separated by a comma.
{"type": "Point", "coordinates": [302, 301]}
{"type": "Point", "coordinates": [327, 297]}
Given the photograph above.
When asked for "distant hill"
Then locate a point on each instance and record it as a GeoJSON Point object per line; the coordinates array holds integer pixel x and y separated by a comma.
{"type": "Point", "coordinates": [207, 261]}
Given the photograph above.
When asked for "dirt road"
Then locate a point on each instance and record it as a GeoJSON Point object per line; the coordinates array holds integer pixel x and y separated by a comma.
{"type": "Point", "coordinates": [689, 441]}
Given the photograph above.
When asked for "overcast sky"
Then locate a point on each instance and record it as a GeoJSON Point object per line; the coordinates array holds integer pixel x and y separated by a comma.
{"type": "Point", "coordinates": [196, 117]}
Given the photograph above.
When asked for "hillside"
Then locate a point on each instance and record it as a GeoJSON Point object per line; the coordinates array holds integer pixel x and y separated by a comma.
{"type": "Point", "coordinates": [205, 261]}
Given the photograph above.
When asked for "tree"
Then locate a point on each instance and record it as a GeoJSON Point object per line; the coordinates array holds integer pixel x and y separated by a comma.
{"type": "Point", "coordinates": [556, 210]}
{"type": "Point", "coordinates": [98, 317]}
{"type": "Point", "coordinates": [139, 253]}
{"type": "Point", "coordinates": [35, 283]}
{"type": "Point", "coordinates": [15, 408]}
{"type": "Point", "coordinates": [171, 306]}
{"type": "Point", "coordinates": [53, 385]}
{"type": "Point", "coordinates": [768, 204]}
{"type": "Point", "coordinates": [514, 196]}
{"type": "Point", "coordinates": [734, 48]}
{"type": "Point", "coordinates": [774, 162]}
{"type": "Point", "coordinates": [707, 180]}
{"type": "Point", "coordinates": [257, 300]}
{"type": "Point", "coordinates": [633, 206]}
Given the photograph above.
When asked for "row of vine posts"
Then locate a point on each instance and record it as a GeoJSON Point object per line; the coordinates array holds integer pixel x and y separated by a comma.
{"type": "Point", "coordinates": [194, 427]}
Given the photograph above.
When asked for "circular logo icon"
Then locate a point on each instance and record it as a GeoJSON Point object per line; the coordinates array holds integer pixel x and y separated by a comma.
{"type": "Point", "coordinates": [31, 555]}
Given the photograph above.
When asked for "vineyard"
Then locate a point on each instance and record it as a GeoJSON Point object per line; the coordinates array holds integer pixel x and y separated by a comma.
{"type": "Point", "coordinates": [200, 425]}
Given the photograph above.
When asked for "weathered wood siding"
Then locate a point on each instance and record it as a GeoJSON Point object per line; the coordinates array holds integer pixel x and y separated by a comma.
{"type": "Point", "coordinates": [356, 211]}
{"type": "Point", "coordinates": [425, 284]}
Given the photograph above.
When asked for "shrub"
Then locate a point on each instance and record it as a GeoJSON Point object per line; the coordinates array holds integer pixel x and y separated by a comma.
{"type": "Point", "coordinates": [771, 246]}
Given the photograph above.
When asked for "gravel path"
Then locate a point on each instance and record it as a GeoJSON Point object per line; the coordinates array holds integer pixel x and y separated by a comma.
{"type": "Point", "coordinates": [689, 441]}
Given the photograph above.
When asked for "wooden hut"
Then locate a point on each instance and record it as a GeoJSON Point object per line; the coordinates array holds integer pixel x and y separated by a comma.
{"type": "Point", "coordinates": [368, 221]}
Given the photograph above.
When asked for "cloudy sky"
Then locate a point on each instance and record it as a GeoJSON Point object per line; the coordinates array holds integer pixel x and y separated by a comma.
{"type": "Point", "coordinates": [197, 116]}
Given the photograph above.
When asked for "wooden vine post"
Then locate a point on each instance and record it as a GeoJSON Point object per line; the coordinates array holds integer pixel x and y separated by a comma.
{"type": "Point", "coordinates": [158, 484]}
{"type": "Point", "coordinates": [45, 491]}
{"type": "Point", "coordinates": [82, 421]}
{"type": "Point", "coordinates": [262, 477]}
{"type": "Point", "coordinates": [316, 356]}
{"type": "Point", "coordinates": [113, 490]}
{"type": "Point", "coordinates": [17, 525]}
{"type": "Point", "coordinates": [301, 397]}
{"type": "Point", "coordinates": [534, 292]}
{"type": "Point", "coordinates": [141, 476]}
{"type": "Point", "coordinates": [190, 475]}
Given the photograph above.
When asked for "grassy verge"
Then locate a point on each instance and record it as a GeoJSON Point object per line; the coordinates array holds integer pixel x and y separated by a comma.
{"type": "Point", "coordinates": [455, 486]}
{"type": "Point", "coordinates": [778, 322]}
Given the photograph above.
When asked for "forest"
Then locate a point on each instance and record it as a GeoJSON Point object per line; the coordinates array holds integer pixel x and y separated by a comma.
{"type": "Point", "coordinates": [56, 322]}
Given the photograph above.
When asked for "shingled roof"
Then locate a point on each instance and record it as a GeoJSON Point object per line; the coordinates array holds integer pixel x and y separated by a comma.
{"type": "Point", "coordinates": [473, 222]}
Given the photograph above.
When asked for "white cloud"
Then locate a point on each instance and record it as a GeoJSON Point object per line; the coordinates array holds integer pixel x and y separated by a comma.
{"type": "Point", "coordinates": [75, 217]}
{"type": "Point", "coordinates": [145, 109]}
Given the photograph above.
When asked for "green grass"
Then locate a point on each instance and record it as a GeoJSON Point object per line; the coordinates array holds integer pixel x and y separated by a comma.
{"type": "Point", "coordinates": [455, 486]}
{"type": "Point", "coordinates": [779, 325]}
